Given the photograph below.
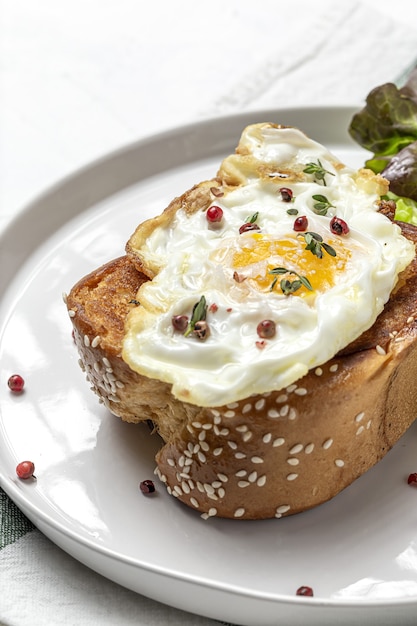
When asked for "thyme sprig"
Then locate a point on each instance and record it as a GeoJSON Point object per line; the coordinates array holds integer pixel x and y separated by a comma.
{"type": "Point", "coordinates": [318, 171]}
{"type": "Point", "coordinates": [322, 204]}
{"type": "Point", "coordinates": [288, 286]}
{"type": "Point", "coordinates": [199, 313]}
{"type": "Point", "coordinates": [316, 245]}
{"type": "Point", "coordinates": [252, 219]}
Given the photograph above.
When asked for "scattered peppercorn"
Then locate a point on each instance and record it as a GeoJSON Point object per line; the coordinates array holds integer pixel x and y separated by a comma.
{"type": "Point", "coordinates": [304, 591]}
{"type": "Point", "coordinates": [214, 214]}
{"type": "Point", "coordinates": [25, 470]}
{"type": "Point", "coordinates": [412, 479]}
{"type": "Point", "coordinates": [147, 486]}
{"type": "Point", "coordinates": [286, 194]}
{"type": "Point", "coordinates": [338, 226]}
{"type": "Point", "coordinates": [301, 223]}
{"type": "Point", "coordinates": [16, 383]}
{"type": "Point", "coordinates": [266, 329]}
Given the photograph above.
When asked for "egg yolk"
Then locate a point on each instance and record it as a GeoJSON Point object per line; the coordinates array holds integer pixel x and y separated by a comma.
{"type": "Point", "coordinates": [261, 254]}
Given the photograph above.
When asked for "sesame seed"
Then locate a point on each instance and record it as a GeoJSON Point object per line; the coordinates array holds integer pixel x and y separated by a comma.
{"type": "Point", "coordinates": [217, 419]}
{"type": "Point", "coordinates": [339, 462]}
{"type": "Point", "coordinates": [259, 405]}
{"type": "Point", "coordinates": [360, 416]}
{"type": "Point", "coordinates": [242, 428]}
{"type": "Point", "coordinates": [309, 448]}
{"type": "Point", "coordinates": [291, 388]}
{"type": "Point", "coordinates": [241, 473]}
{"type": "Point", "coordinates": [296, 449]}
{"type": "Point", "coordinates": [360, 430]}
{"type": "Point", "coordinates": [222, 477]}
{"type": "Point", "coordinates": [216, 484]}
{"type": "Point", "coordinates": [196, 424]}
{"type": "Point", "coordinates": [86, 341]}
{"type": "Point", "coordinates": [230, 413]}
{"type": "Point", "coordinates": [252, 477]}
{"type": "Point", "coordinates": [207, 426]}
{"type": "Point", "coordinates": [171, 462]}
{"type": "Point", "coordinates": [334, 367]}
{"type": "Point", "coordinates": [177, 490]}
{"type": "Point", "coordinates": [194, 502]}
{"type": "Point", "coordinates": [64, 296]}
{"type": "Point", "coordinates": [292, 414]}
{"type": "Point", "coordinates": [301, 391]}
{"type": "Point", "coordinates": [243, 484]}
{"type": "Point", "coordinates": [292, 476]}
{"type": "Point", "coordinates": [247, 436]}
{"type": "Point", "coordinates": [185, 487]}
{"type": "Point", "coordinates": [239, 512]}
{"type": "Point", "coordinates": [204, 446]}
{"type": "Point", "coordinates": [267, 438]}
{"type": "Point", "coordinates": [281, 398]}
{"type": "Point", "coordinates": [240, 455]}
{"type": "Point", "coordinates": [272, 413]}
{"type": "Point", "coordinates": [293, 461]}
{"type": "Point", "coordinates": [208, 488]}
{"type": "Point", "coordinates": [261, 481]}
{"type": "Point", "coordinates": [284, 508]}
{"type": "Point", "coordinates": [284, 410]}
{"type": "Point", "coordinates": [217, 451]}
{"type": "Point", "coordinates": [215, 412]}
{"type": "Point", "coordinates": [95, 341]}
{"type": "Point", "coordinates": [278, 442]}
{"type": "Point", "coordinates": [410, 319]}
{"type": "Point", "coordinates": [200, 486]}
{"type": "Point", "coordinates": [71, 312]}
{"type": "Point", "coordinates": [326, 444]}
{"type": "Point", "coordinates": [212, 512]}
{"type": "Point", "coordinates": [232, 405]}
{"type": "Point", "coordinates": [318, 371]}
{"type": "Point", "coordinates": [257, 459]}
{"type": "Point", "coordinates": [221, 492]}
{"type": "Point", "coordinates": [201, 457]}
{"type": "Point", "coordinates": [232, 445]}
{"type": "Point", "coordinates": [106, 362]}
{"type": "Point", "coordinates": [247, 408]}
{"type": "Point", "coordinates": [380, 350]}
{"type": "Point", "coordinates": [368, 424]}
{"type": "Point", "coordinates": [202, 435]}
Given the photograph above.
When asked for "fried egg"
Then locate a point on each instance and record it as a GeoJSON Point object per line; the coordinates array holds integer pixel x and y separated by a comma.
{"type": "Point", "coordinates": [275, 261]}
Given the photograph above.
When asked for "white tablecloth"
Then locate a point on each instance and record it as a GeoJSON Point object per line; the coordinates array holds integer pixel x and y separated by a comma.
{"type": "Point", "coordinates": [80, 78]}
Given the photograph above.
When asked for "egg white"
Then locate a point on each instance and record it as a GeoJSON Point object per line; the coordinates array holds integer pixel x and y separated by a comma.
{"type": "Point", "coordinates": [196, 258]}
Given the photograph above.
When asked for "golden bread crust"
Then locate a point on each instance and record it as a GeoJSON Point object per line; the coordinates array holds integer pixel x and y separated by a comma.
{"type": "Point", "coordinates": [270, 455]}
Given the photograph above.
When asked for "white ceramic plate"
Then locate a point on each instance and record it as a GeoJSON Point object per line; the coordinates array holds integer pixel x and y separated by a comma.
{"type": "Point", "coordinates": [358, 552]}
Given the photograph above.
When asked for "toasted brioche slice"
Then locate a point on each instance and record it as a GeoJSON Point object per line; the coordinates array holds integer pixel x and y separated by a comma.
{"type": "Point", "coordinates": [269, 455]}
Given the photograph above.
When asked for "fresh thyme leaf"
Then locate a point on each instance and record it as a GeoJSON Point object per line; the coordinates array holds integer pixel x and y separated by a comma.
{"type": "Point", "coordinates": [199, 313]}
{"type": "Point", "coordinates": [252, 220]}
{"type": "Point", "coordinates": [318, 171]}
{"type": "Point", "coordinates": [316, 245]}
{"type": "Point", "coordinates": [286, 285]}
{"type": "Point", "coordinates": [322, 204]}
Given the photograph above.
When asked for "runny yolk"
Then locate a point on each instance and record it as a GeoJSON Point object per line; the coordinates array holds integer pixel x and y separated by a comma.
{"type": "Point", "coordinates": [261, 254]}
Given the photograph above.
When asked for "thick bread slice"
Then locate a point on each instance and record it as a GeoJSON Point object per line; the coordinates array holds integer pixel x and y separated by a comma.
{"type": "Point", "coordinates": [270, 455]}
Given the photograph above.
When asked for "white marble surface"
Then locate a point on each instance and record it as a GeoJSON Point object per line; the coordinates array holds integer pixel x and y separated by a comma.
{"type": "Point", "coordinates": [81, 78]}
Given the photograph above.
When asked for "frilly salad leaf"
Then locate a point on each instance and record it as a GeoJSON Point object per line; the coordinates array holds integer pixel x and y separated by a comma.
{"type": "Point", "coordinates": [387, 127]}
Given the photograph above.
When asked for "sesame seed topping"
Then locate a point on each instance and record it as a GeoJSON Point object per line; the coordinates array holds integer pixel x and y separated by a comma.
{"type": "Point", "coordinates": [212, 511]}
{"type": "Point", "coordinates": [252, 477]}
{"type": "Point", "coordinates": [267, 438]}
{"type": "Point", "coordinates": [292, 476]}
{"type": "Point", "coordinates": [281, 398]}
{"type": "Point", "coordinates": [247, 436]}
{"type": "Point", "coordinates": [232, 445]}
{"type": "Point", "coordinates": [259, 405]}
{"type": "Point", "coordinates": [284, 410]}
{"type": "Point", "coordinates": [243, 483]}
{"type": "Point", "coordinates": [380, 350]}
{"type": "Point", "coordinates": [309, 448]}
{"type": "Point", "coordinates": [272, 413]}
{"type": "Point", "coordinates": [360, 430]}
{"type": "Point", "coordinates": [334, 367]}
{"type": "Point", "coordinates": [215, 412]}
{"type": "Point", "coordinates": [222, 477]}
{"type": "Point", "coordinates": [217, 451]}
{"type": "Point", "coordinates": [278, 442]}
{"type": "Point", "coordinates": [291, 388]}
{"type": "Point", "coordinates": [318, 371]}
{"type": "Point", "coordinates": [301, 391]}
{"type": "Point", "coordinates": [86, 341]}
{"type": "Point", "coordinates": [201, 457]}
{"type": "Point", "coordinates": [95, 341]}
{"type": "Point", "coordinates": [368, 424]}
{"type": "Point", "coordinates": [242, 428]}
{"type": "Point", "coordinates": [261, 481]}
{"type": "Point", "coordinates": [71, 312]}
{"type": "Point", "coordinates": [257, 459]}
{"type": "Point", "coordinates": [216, 484]}
{"type": "Point", "coordinates": [202, 436]}
{"type": "Point", "coordinates": [208, 488]}
{"type": "Point", "coordinates": [247, 408]}
{"type": "Point", "coordinates": [339, 462]}
{"type": "Point", "coordinates": [194, 502]}
{"type": "Point", "coordinates": [360, 416]}
{"type": "Point", "coordinates": [204, 446]}
{"type": "Point", "coordinates": [207, 426]}
{"type": "Point", "coordinates": [197, 424]}
{"type": "Point", "coordinates": [284, 508]}
{"type": "Point", "coordinates": [171, 462]}
{"type": "Point", "coordinates": [292, 414]}
{"type": "Point", "coordinates": [240, 455]}
{"type": "Point", "coordinates": [241, 473]}
{"type": "Point", "coordinates": [296, 449]}
{"type": "Point", "coordinates": [293, 461]}
{"type": "Point", "coordinates": [230, 413]}
{"type": "Point", "coordinates": [239, 512]}
{"type": "Point", "coordinates": [326, 444]}
{"type": "Point", "coordinates": [221, 492]}
{"type": "Point", "coordinates": [410, 319]}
